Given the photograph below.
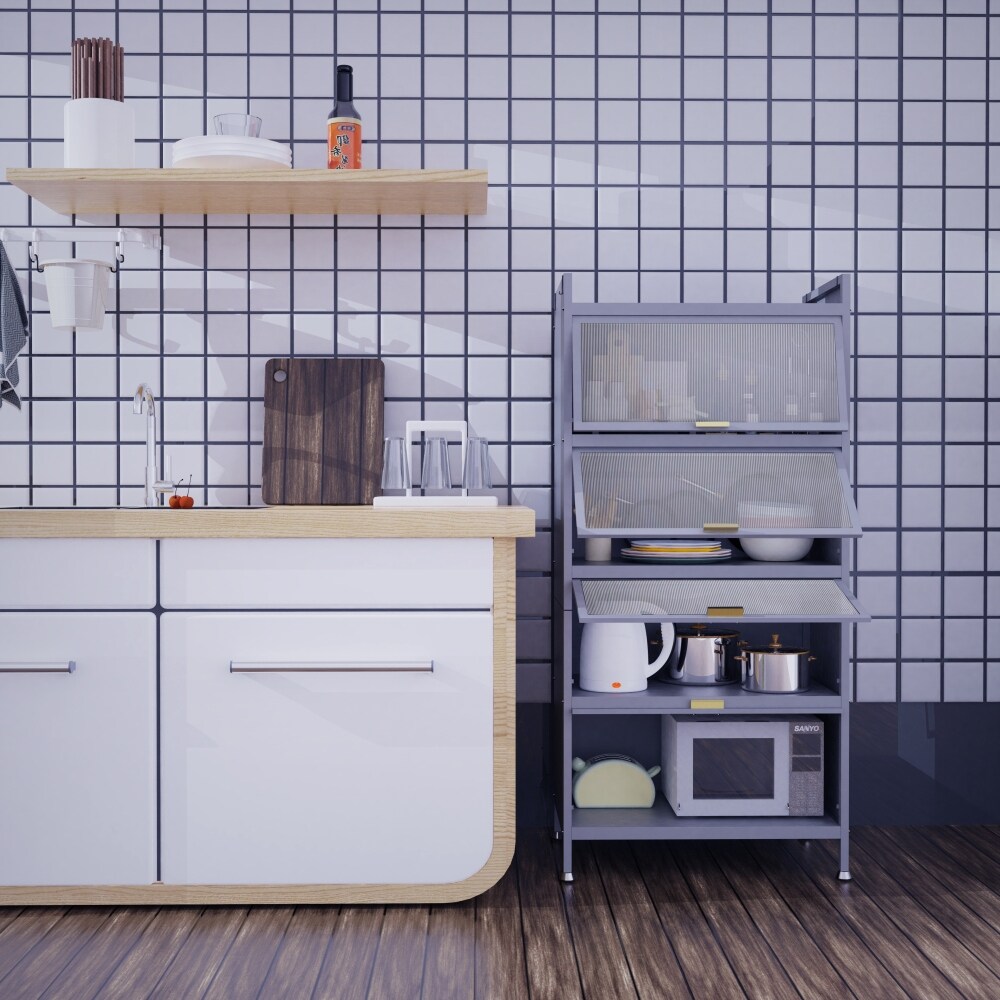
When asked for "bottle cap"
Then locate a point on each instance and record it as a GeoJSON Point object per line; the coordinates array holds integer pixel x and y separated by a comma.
{"type": "Point", "coordinates": [345, 83]}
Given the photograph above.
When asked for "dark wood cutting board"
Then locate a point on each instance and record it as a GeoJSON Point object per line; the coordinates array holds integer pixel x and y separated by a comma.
{"type": "Point", "coordinates": [323, 430]}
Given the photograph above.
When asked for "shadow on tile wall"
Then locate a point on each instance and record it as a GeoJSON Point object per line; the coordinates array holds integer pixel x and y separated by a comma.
{"type": "Point", "coordinates": [704, 156]}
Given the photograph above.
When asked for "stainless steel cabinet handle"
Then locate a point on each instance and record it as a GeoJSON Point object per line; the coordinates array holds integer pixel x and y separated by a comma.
{"type": "Point", "coordinates": [335, 667]}
{"type": "Point", "coordinates": [66, 667]}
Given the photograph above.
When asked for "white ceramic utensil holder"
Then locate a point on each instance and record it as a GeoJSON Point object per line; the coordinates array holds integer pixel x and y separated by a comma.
{"type": "Point", "coordinates": [77, 291]}
{"type": "Point", "coordinates": [98, 133]}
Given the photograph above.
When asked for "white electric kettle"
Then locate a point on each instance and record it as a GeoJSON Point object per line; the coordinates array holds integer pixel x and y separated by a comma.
{"type": "Point", "coordinates": [614, 656]}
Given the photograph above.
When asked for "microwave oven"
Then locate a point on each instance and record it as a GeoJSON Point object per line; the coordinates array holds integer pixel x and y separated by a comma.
{"type": "Point", "coordinates": [750, 765]}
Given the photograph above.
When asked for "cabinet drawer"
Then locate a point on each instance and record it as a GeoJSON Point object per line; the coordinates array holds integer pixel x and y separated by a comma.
{"type": "Point", "coordinates": [77, 749]}
{"type": "Point", "coordinates": [77, 573]}
{"type": "Point", "coordinates": [326, 748]}
{"type": "Point", "coordinates": [327, 573]}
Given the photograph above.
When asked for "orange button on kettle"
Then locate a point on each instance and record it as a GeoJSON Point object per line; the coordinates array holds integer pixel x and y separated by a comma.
{"type": "Point", "coordinates": [616, 684]}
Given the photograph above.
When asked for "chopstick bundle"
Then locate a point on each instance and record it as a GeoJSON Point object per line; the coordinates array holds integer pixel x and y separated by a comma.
{"type": "Point", "coordinates": [98, 69]}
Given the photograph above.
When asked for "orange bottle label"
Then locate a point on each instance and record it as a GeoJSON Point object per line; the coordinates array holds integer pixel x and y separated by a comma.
{"type": "Point", "coordinates": [344, 144]}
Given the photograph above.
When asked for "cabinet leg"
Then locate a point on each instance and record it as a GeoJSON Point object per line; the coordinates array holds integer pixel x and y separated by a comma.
{"type": "Point", "coordinates": [567, 857]}
{"type": "Point", "coordinates": [845, 857]}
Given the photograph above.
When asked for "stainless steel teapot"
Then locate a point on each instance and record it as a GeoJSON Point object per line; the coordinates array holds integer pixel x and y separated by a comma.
{"type": "Point", "coordinates": [702, 655]}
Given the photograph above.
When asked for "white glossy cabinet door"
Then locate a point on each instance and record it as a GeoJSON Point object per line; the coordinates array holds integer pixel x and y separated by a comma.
{"type": "Point", "coordinates": [77, 749]}
{"type": "Point", "coordinates": [326, 748]}
{"type": "Point", "coordinates": [327, 573]}
{"type": "Point", "coordinates": [77, 573]}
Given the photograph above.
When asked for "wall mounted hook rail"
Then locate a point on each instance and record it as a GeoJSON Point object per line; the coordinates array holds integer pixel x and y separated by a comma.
{"type": "Point", "coordinates": [74, 234]}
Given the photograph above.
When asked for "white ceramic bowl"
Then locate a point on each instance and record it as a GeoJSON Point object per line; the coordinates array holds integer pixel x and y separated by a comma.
{"type": "Point", "coordinates": [776, 549]}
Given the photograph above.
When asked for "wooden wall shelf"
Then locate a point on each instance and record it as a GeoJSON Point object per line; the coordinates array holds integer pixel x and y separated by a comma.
{"type": "Point", "coordinates": [255, 192]}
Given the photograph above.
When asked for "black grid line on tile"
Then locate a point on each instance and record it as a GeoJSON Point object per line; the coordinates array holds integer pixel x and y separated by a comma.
{"type": "Point", "coordinates": [806, 203]}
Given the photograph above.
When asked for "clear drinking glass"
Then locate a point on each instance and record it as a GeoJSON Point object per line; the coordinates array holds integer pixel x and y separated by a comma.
{"type": "Point", "coordinates": [476, 474]}
{"type": "Point", "coordinates": [435, 473]}
{"type": "Point", "coordinates": [395, 467]}
{"type": "Point", "coordinates": [237, 124]}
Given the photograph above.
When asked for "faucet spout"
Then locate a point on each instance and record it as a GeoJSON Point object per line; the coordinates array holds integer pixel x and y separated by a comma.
{"type": "Point", "coordinates": [143, 397]}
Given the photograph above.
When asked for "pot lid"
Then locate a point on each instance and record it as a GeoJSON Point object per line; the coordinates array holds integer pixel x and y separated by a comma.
{"type": "Point", "coordinates": [775, 646]}
{"type": "Point", "coordinates": [701, 631]}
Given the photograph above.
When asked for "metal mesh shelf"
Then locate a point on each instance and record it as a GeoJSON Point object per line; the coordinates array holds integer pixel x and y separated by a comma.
{"type": "Point", "coordinates": [696, 600]}
{"type": "Point", "coordinates": [637, 492]}
{"type": "Point", "coordinates": [762, 374]}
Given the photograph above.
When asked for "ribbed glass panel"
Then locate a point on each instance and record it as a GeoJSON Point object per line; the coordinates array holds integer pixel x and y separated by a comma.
{"type": "Point", "coordinates": [634, 492]}
{"type": "Point", "coordinates": [667, 599]}
{"type": "Point", "coordinates": [754, 372]}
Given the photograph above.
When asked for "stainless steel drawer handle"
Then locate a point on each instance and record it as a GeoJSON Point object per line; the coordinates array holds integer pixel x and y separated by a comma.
{"type": "Point", "coordinates": [335, 667]}
{"type": "Point", "coordinates": [66, 667]}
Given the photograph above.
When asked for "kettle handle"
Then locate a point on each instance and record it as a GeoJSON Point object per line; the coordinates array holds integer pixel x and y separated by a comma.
{"type": "Point", "coordinates": [667, 633]}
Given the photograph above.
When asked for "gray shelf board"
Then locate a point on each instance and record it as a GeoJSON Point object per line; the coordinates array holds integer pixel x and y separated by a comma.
{"type": "Point", "coordinates": [676, 699]}
{"type": "Point", "coordinates": [661, 823]}
{"type": "Point", "coordinates": [582, 426]}
{"type": "Point", "coordinates": [802, 570]}
{"type": "Point", "coordinates": [707, 440]}
{"type": "Point", "coordinates": [687, 310]}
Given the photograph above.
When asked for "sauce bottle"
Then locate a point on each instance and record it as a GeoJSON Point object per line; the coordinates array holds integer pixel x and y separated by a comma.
{"type": "Point", "coordinates": [343, 127]}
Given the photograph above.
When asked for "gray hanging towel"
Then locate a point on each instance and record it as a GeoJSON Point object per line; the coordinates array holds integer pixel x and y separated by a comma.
{"type": "Point", "coordinates": [13, 330]}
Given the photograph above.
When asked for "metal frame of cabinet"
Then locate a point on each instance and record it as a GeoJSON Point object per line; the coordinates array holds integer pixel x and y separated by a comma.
{"type": "Point", "coordinates": [588, 722]}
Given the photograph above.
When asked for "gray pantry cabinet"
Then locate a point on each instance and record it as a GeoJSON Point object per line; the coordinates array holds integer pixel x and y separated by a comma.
{"type": "Point", "coordinates": [685, 421]}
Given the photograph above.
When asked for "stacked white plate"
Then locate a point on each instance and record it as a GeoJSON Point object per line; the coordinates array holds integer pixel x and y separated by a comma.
{"type": "Point", "coordinates": [231, 152]}
{"type": "Point", "coordinates": [677, 550]}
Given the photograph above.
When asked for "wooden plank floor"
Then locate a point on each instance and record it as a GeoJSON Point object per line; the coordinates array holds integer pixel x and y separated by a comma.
{"type": "Point", "coordinates": [650, 921]}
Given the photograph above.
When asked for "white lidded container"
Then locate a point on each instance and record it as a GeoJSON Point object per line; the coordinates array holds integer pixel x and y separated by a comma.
{"type": "Point", "coordinates": [78, 291]}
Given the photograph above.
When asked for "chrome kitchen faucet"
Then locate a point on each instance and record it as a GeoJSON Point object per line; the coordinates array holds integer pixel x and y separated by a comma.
{"type": "Point", "coordinates": [154, 485]}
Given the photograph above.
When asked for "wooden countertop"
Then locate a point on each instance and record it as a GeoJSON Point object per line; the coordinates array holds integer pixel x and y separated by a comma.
{"type": "Point", "coordinates": [267, 522]}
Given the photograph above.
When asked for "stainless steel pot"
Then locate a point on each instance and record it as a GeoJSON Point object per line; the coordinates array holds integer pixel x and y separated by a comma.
{"type": "Point", "coordinates": [775, 669]}
{"type": "Point", "coordinates": [701, 655]}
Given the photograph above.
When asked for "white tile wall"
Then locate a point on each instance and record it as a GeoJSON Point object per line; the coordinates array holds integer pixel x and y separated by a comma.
{"type": "Point", "coordinates": [740, 150]}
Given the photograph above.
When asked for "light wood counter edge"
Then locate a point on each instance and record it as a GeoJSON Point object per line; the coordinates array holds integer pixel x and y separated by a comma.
{"type": "Point", "coordinates": [267, 522]}
{"type": "Point", "coordinates": [504, 815]}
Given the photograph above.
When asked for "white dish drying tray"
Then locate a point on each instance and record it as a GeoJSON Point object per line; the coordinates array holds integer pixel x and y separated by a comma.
{"type": "Point", "coordinates": [442, 501]}
{"type": "Point", "coordinates": [462, 499]}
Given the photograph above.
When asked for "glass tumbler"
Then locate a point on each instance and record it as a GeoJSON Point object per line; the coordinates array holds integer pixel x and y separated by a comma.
{"type": "Point", "coordinates": [435, 473]}
{"type": "Point", "coordinates": [237, 124]}
{"type": "Point", "coordinates": [476, 474]}
{"type": "Point", "coordinates": [395, 467]}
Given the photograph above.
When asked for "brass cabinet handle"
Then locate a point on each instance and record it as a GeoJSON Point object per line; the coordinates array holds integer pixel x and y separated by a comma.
{"type": "Point", "coordinates": [711, 423]}
{"type": "Point", "coordinates": [707, 704]}
{"type": "Point", "coordinates": [720, 527]}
